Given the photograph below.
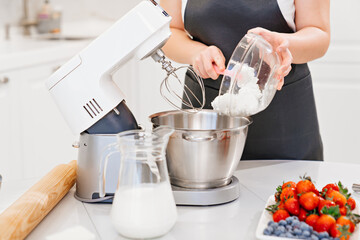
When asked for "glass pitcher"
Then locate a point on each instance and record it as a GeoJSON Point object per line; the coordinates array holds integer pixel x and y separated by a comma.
{"type": "Point", "coordinates": [143, 206]}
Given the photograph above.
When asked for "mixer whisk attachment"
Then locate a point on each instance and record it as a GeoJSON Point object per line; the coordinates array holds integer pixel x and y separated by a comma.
{"type": "Point", "coordinates": [175, 91]}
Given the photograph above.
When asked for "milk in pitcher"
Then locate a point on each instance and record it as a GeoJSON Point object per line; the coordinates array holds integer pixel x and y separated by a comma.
{"type": "Point", "coordinates": [146, 210]}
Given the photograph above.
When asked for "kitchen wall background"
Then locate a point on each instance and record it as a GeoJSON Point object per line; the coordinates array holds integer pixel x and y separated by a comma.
{"type": "Point", "coordinates": [11, 10]}
{"type": "Point", "coordinates": [337, 85]}
{"type": "Point", "coordinates": [336, 81]}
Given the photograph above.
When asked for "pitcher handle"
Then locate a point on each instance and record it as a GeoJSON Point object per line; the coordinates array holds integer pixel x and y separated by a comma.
{"type": "Point", "coordinates": [103, 166]}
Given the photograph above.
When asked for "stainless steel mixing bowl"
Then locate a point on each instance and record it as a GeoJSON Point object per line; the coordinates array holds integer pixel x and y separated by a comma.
{"type": "Point", "coordinates": [205, 148]}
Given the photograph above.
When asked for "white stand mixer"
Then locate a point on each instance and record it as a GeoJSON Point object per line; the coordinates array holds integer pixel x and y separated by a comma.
{"type": "Point", "coordinates": [83, 87]}
{"type": "Point", "coordinates": [90, 101]}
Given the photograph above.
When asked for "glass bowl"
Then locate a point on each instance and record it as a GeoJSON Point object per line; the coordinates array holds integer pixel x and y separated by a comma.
{"type": "Point", "coordinates": [249, 82]}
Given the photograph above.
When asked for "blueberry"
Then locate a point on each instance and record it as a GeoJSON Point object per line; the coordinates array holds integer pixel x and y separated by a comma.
{"type": "Point", "coordinates": [306, 233]}
{"type": "Point", "coordinates": [288, 227]}
{"type": "Point", "coordinates": [289, 235]}
{"type": "Point", "coordinates": [267, 232]}
{"type": "Point", "coordinates": [282, 223]}
{"type": "Point", "coordinates": [304, 226]}
{"type": "Point", "coordinates": [277, 232]}
{"type": "Point", "coordinates": [270, 229]}
{"type": "Point", "coordinates": [282, 235]}
{"type": "Point", "coordinates": [289, 220]}
{"type": "Point", "coordinates": [281, 229]}
{"type": "Point", "coordinates": [274, 225]}
{"type": "Point", "coordinates": [295, 223]}
{"type": "Point", "coordinates": [314, 237]}
{"type": "Point", "coordinates": [270, 223]}
{"type": "Point", "coordinates": [297, 231]}
{"type": "Point", "coordinates": [323, 235]}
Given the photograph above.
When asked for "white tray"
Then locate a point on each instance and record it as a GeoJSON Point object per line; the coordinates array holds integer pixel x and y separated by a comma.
{"type": "Point", "coordinates": [266, 217]}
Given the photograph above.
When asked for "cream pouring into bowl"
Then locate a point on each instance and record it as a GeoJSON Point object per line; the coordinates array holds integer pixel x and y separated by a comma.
{"type": "Point", "coordinates": [205, 148]}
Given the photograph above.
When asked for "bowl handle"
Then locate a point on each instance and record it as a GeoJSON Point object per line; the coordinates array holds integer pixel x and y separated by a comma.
{"type": "Point", "coordinates": [190, 138]}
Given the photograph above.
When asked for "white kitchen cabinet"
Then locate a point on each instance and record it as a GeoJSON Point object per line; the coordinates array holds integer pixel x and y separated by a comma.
{"type": "Point", "coordinates": [39, 136]}
{"type": "Point", "coordinates": [45, 133]}
{"type": "Point", "coordinates": [10, 146]}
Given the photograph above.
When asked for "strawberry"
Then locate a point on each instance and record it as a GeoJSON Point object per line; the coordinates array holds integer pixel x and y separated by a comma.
{"type": "Point", "coordinates": [329, 186]}
{"type": "Point", "coordinates": [343, 211]}
{"type": "Point", "coordinates": [305, 185]}
{"type": "Point", "coordinates": [323, 203]}
{"type": "Point", "coordinates": [341, 232]}
{"type": "Point", "coordinates": [316, 192]}
{"type": "Point", "coordinates": [302, 214]}
{"type": "Point", "coordinates": [346, 221]}
{"type": "Point", "coordinates": [309, 201]}
{"type": "Point", "coordinates": [312, 219]}
{"type": "Point", "coordinates": [289, 184]}
{"type": "Point", "coordinates": [287, 193]}
{"type": "Point", "coordinates": [325, 221]}
{"type": "Point", "coordinates": [280, 215]}
{"type": "Point", "coordinates": [292, 206]}
{"type": "Point", "coordinates": [281, 205]}
{"type": "Point", "coordinates": [351, 202]}
{"type": "Point", "coordinates": [336, 197]}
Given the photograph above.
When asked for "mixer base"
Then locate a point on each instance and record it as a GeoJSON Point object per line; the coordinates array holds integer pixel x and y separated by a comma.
{"type": "Point", "coordinates": [207, 197]}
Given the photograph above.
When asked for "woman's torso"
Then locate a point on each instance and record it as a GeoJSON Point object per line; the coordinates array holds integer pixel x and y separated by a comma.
{"type": "Point", "coordinates": [288, 128]}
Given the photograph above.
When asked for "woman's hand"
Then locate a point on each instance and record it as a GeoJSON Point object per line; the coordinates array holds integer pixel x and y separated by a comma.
{"type": "Point", "coordinates": [209, 62]}
{"type": "Point", "coordinates": [281, 46]}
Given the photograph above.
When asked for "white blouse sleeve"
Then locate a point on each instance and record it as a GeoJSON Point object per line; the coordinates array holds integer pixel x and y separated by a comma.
{"type": "Point", "coordinates": [183, 6]}
{"type": "Point", "coordinates": [287, 8]}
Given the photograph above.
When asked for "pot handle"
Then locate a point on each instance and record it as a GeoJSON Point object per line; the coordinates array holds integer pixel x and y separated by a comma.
{"type": "Point", "coordinates": [190, 138]}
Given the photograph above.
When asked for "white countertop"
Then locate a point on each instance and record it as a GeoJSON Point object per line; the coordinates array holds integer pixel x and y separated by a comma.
{"type": "Point", "coordinates": [235, 220]}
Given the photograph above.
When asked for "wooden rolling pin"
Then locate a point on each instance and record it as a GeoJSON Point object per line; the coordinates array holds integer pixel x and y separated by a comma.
{"type": "Point", "coordinates": [18, 220]}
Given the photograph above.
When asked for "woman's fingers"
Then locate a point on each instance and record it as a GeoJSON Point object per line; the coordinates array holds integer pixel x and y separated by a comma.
{"type": "Point", "coordinates": [283, 45]}
{"type": "Point", "coordinates": [208, 65]}
{"type": "Point", "coordinates": [199, 68]}
{"type": "Point", "coordinates": [217, 69]}
{"type": "Point", "coordinates": [280, 84]}
{"type": "Point", "coordinates": [259, 31]}
{"type": "Point", "coordinates": [215, 59]}
{"type": "Point", "coordinates": [219, 59]}
{"type": "Point", "coordinates": [286, 60]}
{"type": "Point", "coordinates": [206, 61]}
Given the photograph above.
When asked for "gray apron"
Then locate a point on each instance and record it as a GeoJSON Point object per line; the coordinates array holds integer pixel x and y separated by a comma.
{"type": "Point", "coordinates": [288, 128]}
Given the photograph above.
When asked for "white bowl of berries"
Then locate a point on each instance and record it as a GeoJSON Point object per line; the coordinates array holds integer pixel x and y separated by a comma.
{"type": "Point", "coordinates": [300, 211]}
